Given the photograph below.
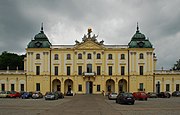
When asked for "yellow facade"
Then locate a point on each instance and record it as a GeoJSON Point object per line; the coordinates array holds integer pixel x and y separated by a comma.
{"type": "Point", "coordinates": [90, 67]}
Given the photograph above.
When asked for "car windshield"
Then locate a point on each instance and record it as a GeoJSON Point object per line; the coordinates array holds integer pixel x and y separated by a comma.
{"type": "Point", "coordinates": [128, 94]}
{"type": "Point", "coordinates": [50, 93]}
{"type": "Point", "coordinates": [114, 93]}
{"type": "Point", "coordinates": [143, 94]}
{"type": "Point", "coordinates": [13, 92]}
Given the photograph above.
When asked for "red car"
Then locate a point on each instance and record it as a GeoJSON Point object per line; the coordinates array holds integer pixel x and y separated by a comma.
{"type": "Point", "coordinates": [14, 94]}
{"type": "Point", "coordinates": [140, 96]}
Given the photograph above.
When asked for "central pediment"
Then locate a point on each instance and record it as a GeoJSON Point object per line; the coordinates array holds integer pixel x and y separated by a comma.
{"type": "Point", "coordinates": [89, 45]}
{"type": "Point", "coordinates": [89, 42]}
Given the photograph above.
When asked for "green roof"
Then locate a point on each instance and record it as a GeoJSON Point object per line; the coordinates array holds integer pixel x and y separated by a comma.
{"type": "Point", "coordinates": [40, 41]}
{"type": "Point", "coordinates": [139, 41]}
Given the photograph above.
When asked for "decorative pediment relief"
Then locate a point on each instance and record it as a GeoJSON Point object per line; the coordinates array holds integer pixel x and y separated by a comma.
{"type": "Point", "coordinates": [89, 42]}
{"type": "Point", "coordinates": [89, 45]}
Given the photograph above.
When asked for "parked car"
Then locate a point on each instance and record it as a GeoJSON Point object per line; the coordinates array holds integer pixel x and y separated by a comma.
{"type": "Point", "coordinates": [37, 95]}
{"type": "Point", "coordinates": [51, 96]}
{"type": "Point", "coordinates": [112, 96]}
{"type": "Point", "coordinates": [125, 98]}
{"type": "Point", "coordinates": [176, 94]}
{"type": "Point", "coordinates": [164, 95]}
{"type": "Point", "coordinates": [69, 93]}
{"type": "Point", "coordinates": [14, 94]}
{"type": "Point", "coordinates": [140, 96]}
{"type": "Point", "coordinates": [60, 94]}
{"type": "Point", "coordinates": [4, 94]}
{"type": "Point", "coordinates": [152, 95]}
{"type": "Point", "coordinates": [27, 95]}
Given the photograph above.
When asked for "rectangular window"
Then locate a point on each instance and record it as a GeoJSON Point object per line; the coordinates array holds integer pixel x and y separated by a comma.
{"type": "Point", "coordinates": [122, 70]}
{"type": "Point", "coordinates": [79, 70]}
{"type": "Point", "coordinates": [167, 87]}
{"type": "Point", "coordinates": [2, 87]}
{"type": "Point", "coordinates": [98, 70]}
{"type": "Point", "coordinates": [12, 87]}
{"type": "Point", "coordinates": [79, 87]}
{"type": "Point", "coordinates": [22, 87]}
{"type": "Point", "coordinates": [37, 70]}
{"type": "Point", "coordinates": [177, 87]}
{"type": "Point", "coordinates": [141, 88]}
{"type": "Point", "coordinates": [110, 70]}
{"type": "Point", "coordinates": [56, 70]}
{"type": "Point", "coordinates": [68, 70]}
{"type": "Point", "coordinates": [38, 87]}
{"type": "Point", "coordinates": [89, 68]}
{"type": "Point", "coordinates": [98, 88]}
{"type": "Point", "coordinates": [141, 70]}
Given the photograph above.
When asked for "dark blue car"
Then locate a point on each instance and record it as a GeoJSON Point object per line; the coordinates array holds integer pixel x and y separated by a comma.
{"type": "Point", "coordinates": [27, 95]}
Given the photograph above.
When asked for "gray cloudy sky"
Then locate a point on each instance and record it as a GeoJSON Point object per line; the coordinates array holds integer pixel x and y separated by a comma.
{"type": "Point", "coordinates": [113, 20]}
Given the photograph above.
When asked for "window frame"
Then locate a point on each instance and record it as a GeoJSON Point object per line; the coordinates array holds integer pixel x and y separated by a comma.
{"type": "Point", "coordinates": [89, 56]}
{"type": "Point", "coordinates": [79, 56]}
{"type": "Point", "coordinates": [68, 57]}
{"type": "Point", "coordinates": [110, 56]}
{"type": "Point", "coordinates": [56, 57]}
{"type": "Point", "coordinates": [38, 56]}
{"type": "Point", "coordinates": [98, 56]}
{"type": "Point", "coordinates": [122, 56]}
{"type": "Point", "coordinates": [141, 56]}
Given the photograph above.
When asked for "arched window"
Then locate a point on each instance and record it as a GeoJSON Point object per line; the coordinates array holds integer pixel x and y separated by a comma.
{"type": "Point", "coordinates": [109, 56]}
{"type": "Point", "coordinates": [141, 56]}
{"type": "Point", "coordinates": [56, 57]}
{"type": "Point", "coordinates": [98, 56]}
{"type": "Point", "coordinates": [122, 56]}
{"type": "Point", "coordinates": [89, 56]}
{"type": "Point", "coordinates": [79, 56]}
{"type": "Point", "coordinates": [68, 56]}
{"type": "Point", "coordinates": [37, 56]}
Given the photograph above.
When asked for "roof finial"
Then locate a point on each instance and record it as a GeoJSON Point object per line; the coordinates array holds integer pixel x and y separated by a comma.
{"type": "Point", "coordinates": [137, 27]}
{"type": "Point", "coordinates": [42, 28]}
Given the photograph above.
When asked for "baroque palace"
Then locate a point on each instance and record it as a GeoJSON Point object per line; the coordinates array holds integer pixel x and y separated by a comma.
{"type": "Point", "coordinates": [90, 67]}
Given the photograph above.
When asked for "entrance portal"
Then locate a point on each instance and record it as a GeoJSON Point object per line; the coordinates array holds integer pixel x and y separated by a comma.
{"type": "Point", "coordinates": [89, 87]}
{"type": "Point", "coordinates": [56, 85]}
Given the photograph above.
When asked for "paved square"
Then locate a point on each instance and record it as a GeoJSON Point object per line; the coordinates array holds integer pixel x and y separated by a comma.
{"type": "Point", "coordinates": [88, 105]}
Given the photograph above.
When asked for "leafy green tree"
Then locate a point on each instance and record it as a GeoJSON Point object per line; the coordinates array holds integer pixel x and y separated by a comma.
{"type": "Point", "coordinates": [11, 60]}
{"type": "Point", "coordinates": [177, 65]}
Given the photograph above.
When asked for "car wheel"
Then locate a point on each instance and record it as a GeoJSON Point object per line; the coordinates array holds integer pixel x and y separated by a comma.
{"type": "Point", "coordinates": [132, 103]}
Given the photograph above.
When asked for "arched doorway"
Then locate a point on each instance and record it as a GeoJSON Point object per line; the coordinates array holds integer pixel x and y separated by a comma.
{"type": "Point", "coordinates": [56, 85]}
{"type": "Point", "coordinates": [110, 86]}
{"type": "Point", "coordinates": [68, 86]}
{"type": "Point", "coordinates": [89, 87]}
{"type": "Point", "coordinates": [122, 85]}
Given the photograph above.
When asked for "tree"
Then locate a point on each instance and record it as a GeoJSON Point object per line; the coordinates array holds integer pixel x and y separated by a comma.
{"type": "Point", "coordinates": [11, 60]}
{"type": "Point", "coordinates": [177, 65]}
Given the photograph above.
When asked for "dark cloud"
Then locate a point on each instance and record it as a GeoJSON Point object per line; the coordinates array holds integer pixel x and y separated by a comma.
{"type": "Point", "coordinates": [114, 21]}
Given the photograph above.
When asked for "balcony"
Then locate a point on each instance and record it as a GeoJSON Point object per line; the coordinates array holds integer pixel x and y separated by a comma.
{"type": "Point", "coordinates": [89, 73]}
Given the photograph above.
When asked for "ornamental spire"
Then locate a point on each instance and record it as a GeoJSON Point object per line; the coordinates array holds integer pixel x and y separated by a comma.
{"type": "Point", "coordinates": [42, 28]}
{"type": "Point", "coordinates": [137, 28]}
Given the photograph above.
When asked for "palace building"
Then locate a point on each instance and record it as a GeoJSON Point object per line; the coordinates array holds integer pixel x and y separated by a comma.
{"type": "Point", "coordinates": [90, 67]}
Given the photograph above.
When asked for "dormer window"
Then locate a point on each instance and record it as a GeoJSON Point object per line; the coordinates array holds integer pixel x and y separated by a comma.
{"type": "Point", "coordinates": [37, 56]}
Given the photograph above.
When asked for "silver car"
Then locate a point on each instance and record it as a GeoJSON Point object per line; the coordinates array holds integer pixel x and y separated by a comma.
{"type": "Point", "coordinates": [112, 96]}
